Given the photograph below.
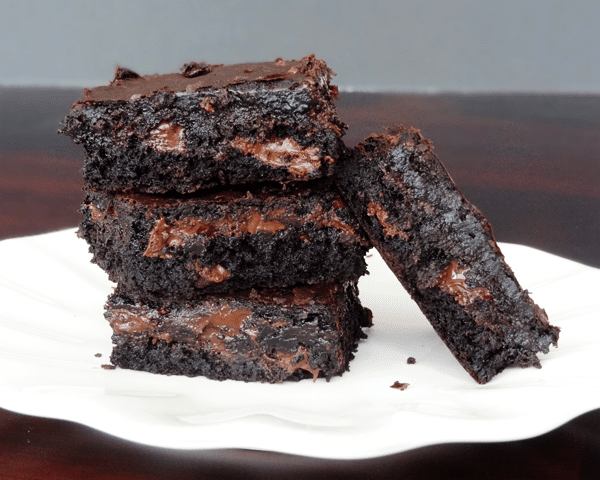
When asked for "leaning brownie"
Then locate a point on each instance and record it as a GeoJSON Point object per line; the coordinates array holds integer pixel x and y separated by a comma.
{"type": "Point", "coordinates": [257, 335]}
{"type": "Point", "coordinates": [208, 125]}
{"type": "Point", "coordinates": [174, 248]}
{"type": "Point", "coordinates": [442, 250]}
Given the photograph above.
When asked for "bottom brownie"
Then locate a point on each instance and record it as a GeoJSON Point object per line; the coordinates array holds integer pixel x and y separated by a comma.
{"type": "Point", "coordinates": [268, 335]}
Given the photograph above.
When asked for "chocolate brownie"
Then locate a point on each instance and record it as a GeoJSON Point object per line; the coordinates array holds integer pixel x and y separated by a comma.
{"type": "Point", "coordinates": [443, 251]}
{"type": "Point", "coordinates": [209, 125]}
{"type": "Point", "coordinates": [174, 248]}
{"type": "Point", "coordinates": [258, 335]}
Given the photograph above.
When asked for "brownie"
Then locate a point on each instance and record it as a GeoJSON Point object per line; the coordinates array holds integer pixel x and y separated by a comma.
{"type": "Point", "coordinates": [267, 335]}
{"type": "Point", "coordinates": [174, 248]}
{"type": "Point", "coordinates": [208, 125]}
{"type": "Point", "coordinates": [443, 251]}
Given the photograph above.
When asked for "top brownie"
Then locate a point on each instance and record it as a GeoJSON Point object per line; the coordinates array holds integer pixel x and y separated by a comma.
{"type": "Point", "coordinates": [209, 125]}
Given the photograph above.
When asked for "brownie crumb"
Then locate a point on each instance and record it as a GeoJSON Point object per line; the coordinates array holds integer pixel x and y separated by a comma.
{"type": "Point", "coordinates": [98, 355]}
{"type": "Point", "coordinates": [411, 360]}
{"type": "Point", "coordinates": [193, 69]}
{"type": "Point", "coordinates": [124, 74]}
{"type": "Point", "coordinates": [399, 386]}
{"type": "Point", "coordinates": [108, 367]}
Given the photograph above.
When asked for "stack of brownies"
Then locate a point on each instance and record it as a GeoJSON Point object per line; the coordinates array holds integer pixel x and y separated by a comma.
{"type": "Point", "coordinates": [210, 204]}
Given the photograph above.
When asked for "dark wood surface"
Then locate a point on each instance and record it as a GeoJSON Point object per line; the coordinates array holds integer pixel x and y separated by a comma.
{"type": "Point", "coordinates": [531, 163]}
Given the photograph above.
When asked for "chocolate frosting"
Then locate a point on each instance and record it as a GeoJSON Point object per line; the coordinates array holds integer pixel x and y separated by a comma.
{"type": "Point", "coordinates": [197, 76]}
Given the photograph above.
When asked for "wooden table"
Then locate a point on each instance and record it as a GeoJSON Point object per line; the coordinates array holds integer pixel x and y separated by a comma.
{"type": "Point", "coordinates": [531, 163]}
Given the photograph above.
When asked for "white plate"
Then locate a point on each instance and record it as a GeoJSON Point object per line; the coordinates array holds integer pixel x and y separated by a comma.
{"type": "Point", "coordinates": [51, 327]}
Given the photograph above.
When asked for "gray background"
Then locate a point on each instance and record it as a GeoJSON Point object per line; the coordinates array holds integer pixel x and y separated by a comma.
{"type": "Point", "coordinates": [414, 46]}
